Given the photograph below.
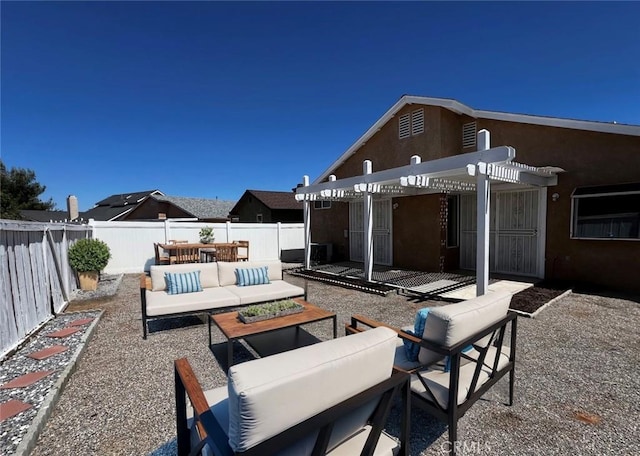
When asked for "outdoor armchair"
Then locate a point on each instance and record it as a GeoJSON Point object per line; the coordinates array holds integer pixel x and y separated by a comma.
{"type": "Point", "coordinates": [461, 353]}
{"type": "Point", "coordinates": [332, 398]}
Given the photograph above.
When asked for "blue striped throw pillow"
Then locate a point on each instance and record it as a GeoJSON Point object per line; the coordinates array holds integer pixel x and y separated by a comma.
{"type": "Point", "coordinates": [252, 276]}
{"type": "Point", "coordinates": [186, 282]}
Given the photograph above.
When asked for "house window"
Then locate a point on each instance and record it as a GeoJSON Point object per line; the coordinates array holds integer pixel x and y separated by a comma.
{"type": "Point", "coordinates": [606, 212]}
{"type": "Point", "coordinates": [259, 218]}
{"type": "Point", "coordinates": [453, 220]}
{"type": "Point", "coordinates": [411, 124]}
{"type": "Point", "coordinates": [322, 204]}
{"type": "Point", "coordinates": [235, 218]}
{"type": "Point", "coordinates": [469, 134]}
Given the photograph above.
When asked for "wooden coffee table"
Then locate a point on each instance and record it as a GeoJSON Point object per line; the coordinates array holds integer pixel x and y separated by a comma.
{"type": "Point", "coordinates": [276, 335]}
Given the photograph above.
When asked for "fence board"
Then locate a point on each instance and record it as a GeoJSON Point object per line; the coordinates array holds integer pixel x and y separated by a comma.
{"type": "Point", "coordinates": [29, 283]}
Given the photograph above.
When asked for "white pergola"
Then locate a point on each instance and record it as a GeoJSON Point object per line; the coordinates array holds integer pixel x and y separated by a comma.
{"type": "Point", "coordinates": [465, 172]}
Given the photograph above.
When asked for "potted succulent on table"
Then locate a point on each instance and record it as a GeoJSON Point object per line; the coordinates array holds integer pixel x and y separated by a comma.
{"type": "Point", "coordinates": [88, 257]}
{"type": "Point", "coordinates": [206, 235]}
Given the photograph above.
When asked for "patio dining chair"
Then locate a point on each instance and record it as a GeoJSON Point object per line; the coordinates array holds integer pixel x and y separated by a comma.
{"type": "Point", "coordinates": [226, 252]}
{"type": "Point", "coordinates": [161, 258]}
{"type": "Point", "coordinates": [333, 397]}
{"type": "Point", "coordinates": [243, 250]}
{"type": "Point", "coordinates": [454, 354]}
{"type": "Point", "coordinates": [187, 255]}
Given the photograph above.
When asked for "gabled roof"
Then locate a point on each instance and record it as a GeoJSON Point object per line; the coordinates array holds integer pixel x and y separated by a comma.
{"type": "Point", "coordinates": [274, 200]}
{"type": "Point", "coordinates": [459, 108]}
{"type": "Point", "coordinates": [125, 199]}
{"type": "Point", "coordinates": [116, 206]}
{"type": "Point", "coordinates": [200, 208]}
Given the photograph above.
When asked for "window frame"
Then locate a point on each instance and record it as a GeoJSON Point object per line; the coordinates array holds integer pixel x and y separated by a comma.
{"type": "Point", "coordinates": [259, 218]}
{"type": "Point", "coordinates": [575, 203]}
{"type": "Point", "coordinates": [323, 204]}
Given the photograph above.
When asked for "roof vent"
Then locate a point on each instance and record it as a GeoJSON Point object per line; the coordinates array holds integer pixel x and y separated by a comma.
{"type": "Point", "coordinates": [469, 134]}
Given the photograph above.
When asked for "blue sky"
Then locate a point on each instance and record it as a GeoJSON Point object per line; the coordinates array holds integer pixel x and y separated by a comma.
{"type": "Point", "coordinates": [208, 99]}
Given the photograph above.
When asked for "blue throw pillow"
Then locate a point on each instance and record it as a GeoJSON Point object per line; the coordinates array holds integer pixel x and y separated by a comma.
{"type": "Point", "coordinates": [252, 276]}
{"type": "Point", "coordinates": [186, 282]}
{"type": "Point", "coordinates": [410, 348]}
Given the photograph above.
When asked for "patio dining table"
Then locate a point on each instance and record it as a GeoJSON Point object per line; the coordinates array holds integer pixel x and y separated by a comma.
{"type": "Point", "coordinates": [207, 250]}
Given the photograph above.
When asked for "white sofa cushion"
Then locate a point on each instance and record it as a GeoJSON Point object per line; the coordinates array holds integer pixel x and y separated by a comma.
{"type": "Point", "coordinates": [162, 303]}
{"type": "Point", "coordinates": [227, 270]}
{"type": "Point", "coordinates": [438, 381]}
{"type": "Point", "coordinates": [208, 274]}
{"type": "Point", "coordinates": [272, 394]}
{"type": "Point", "coordinates": [278, 289]}
{"type": "Point", "coordinates": [450, 324]}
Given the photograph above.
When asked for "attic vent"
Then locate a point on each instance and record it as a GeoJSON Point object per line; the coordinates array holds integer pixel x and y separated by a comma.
{"type": "Point", "coordinates": [417, 122]}
{"type": "Point", "coordinates": [404, 130]}
{"type": "Point", "coordinates": [469, 134]}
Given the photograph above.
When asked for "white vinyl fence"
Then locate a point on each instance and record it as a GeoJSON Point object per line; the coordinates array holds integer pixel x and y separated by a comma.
{"type": "Point", "coordinates": [131, 243]}
{"type": "Point", "coordinates": [35, 278]}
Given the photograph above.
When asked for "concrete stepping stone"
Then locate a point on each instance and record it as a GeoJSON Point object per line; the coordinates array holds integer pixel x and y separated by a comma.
{"type": "Point", "coordinates": [81, 322]}
{"type": "Point", "coordinates": [65, 332]}
{"type": "Point", "coordinates": [26, 379]}
{"type": "Point", "coordinates": [48, 352]}
{"type": "Point", "coordinates": [12, 408]}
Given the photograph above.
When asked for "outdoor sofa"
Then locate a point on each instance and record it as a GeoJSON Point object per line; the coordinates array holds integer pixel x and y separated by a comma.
{"type": "Point", "coordinates": [333, 397]}
{"type": "Point", "coordinates": [220, 289]}
{"type": "Point", "coordinates": [461, 353]}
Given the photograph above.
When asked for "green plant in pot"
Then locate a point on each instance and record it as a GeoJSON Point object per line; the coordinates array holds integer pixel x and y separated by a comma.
{"type": "Point", "coordinates": [206, 235]}
{"type": "Point", "coordinates": [88, 257]}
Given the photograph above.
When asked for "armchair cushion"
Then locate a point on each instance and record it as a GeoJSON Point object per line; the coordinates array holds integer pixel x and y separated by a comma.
{"type": "Point", "coordinates": [272, 394]}
{"type": "Point", "coordinates": [450, 324]}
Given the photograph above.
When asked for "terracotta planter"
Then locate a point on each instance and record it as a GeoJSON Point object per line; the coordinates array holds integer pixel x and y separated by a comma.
{"type": "Point", "coordinates": [88, 280]}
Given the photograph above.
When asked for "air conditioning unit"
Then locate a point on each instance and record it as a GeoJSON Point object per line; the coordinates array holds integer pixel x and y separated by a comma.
{"type": "Point", "coordinates": [321, 252]}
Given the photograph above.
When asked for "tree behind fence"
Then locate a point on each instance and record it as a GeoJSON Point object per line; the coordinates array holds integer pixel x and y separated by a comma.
{"type": "Point", "coordinates": [35, 278]}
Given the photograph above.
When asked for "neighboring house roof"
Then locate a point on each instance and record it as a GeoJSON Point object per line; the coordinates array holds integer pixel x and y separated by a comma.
{"type": "Point", "coordinates": [200, 208]}
{"type": "Point", "coordinates": [45, 216]}
{"type": "Point", "coordinates": [116, 206]}
{"type": "Point", "coordinates": [273, 200]}
{"type": "Point", "coordinates": [459, 108]}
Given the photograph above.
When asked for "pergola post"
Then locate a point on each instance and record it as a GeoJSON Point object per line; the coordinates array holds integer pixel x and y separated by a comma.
{"type": "Point", "coordinates": [307, 226]}
{"type": "Point", "coordinates": [483, 193]}
{"type": "Point", "coordinates": [368, 224]}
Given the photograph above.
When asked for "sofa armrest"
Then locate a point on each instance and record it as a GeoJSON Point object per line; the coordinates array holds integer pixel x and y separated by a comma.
{"type": "Point", "coordinates": [145, 282]}
{"type": "Point", "coordinates": [210, 432]}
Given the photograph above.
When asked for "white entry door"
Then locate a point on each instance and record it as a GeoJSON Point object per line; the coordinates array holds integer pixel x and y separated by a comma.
{"type": "Point", "coordinates": [382, 253]}
{"type": "Point", "coordinates": [514, 242]}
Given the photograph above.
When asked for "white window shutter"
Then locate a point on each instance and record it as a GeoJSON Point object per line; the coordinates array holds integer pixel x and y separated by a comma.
{"type": "Point", "coordinates": [404, 130]}
{"type": "Point", "coordinates": [469, 134]}
{"type": "Point", "coordinates": [417, 122]}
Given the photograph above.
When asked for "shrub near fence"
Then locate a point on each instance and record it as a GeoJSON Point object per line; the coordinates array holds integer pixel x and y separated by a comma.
{"type": "Point", "coordinates": [35, 278]}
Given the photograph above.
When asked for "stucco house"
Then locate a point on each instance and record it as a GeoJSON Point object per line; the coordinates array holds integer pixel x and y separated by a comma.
{"type": "Point", "coordinates": [564, 199]}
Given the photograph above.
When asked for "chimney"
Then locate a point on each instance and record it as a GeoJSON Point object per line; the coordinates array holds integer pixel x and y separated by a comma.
{"type": "Point", "coordinates": [72, 207]}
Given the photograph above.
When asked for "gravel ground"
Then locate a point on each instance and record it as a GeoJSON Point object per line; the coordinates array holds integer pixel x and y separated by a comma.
{"type": "Point", "coordinates": [577, 384]}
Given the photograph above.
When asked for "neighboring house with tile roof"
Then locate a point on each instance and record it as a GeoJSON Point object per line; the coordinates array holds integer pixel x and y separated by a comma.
{"type": "Point", "coordinates": [44, 216]}
{"type": "Point", "coordinates": [160, 207]}
{"type": "Point", "coordinates": [263, 206]}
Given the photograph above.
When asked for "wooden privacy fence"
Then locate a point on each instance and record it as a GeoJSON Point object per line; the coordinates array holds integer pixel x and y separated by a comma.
{"type": "Point", "coordinates": [35, 278]}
